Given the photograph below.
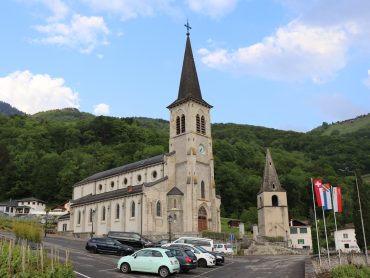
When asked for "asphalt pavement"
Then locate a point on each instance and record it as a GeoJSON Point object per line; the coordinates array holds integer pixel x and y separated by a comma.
{"type": "Point", "coordinates": [90, 265]}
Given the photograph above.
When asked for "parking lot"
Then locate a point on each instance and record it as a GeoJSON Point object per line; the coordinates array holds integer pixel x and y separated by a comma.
{"type": "Point", "coordinates": [90, 265]}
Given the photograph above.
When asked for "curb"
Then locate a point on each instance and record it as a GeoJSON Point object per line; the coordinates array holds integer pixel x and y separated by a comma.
{"type": "Point", "coordinates": [309, 270]}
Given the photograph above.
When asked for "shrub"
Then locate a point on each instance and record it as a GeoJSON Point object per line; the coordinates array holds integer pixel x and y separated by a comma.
{"type": "Point", "coordinates": [344, 271]}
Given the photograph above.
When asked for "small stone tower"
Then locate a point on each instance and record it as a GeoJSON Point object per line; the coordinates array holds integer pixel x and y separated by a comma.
{"type": "Point", "coordinates": [272, 204]}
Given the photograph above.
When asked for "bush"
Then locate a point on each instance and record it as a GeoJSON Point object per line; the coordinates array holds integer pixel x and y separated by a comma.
{"type": "Point", "coordinates": [346, 271]}
{"type": "Point", "coordinates": [27, 231]}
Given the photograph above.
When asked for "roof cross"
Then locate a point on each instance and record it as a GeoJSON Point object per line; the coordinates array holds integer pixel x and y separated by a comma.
{"type": "Point", "coordinates": [187, 27]}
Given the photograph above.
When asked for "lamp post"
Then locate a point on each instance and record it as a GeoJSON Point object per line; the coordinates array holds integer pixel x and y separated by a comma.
{"type": "Point", "coordinates": [169, 227]}
{"type": "Point", "coordinates": [92, 222]}
{"type": "Point", "coordinates": [359, 204]}
{"type": "Point", "coordinates": [46, 223]}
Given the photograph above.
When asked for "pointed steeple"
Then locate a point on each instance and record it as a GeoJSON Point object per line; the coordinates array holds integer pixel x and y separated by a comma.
{"type": "Point", "coordinates": [189, 85]}
{"type": "Point", "coordinates": [270, 178]}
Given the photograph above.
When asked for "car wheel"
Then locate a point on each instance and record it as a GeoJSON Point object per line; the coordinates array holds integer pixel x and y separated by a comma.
{"type": "Point", "coordinates": [125, 268]}
{"type": "Point", "coordinates": [202, 263]}
{"type": "Point", "coordinates": [163, 271]}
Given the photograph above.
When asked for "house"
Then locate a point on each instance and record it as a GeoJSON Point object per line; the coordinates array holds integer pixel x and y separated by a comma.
{"type": "Point", "coordinates": [23, 206]}
{"type": "Point", "coordinates": [300, 235]}
{"type": "Point", "coordinates": [345, 239]}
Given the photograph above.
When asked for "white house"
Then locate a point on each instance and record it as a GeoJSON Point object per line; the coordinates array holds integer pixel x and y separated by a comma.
{"type": "Point", "coordinates": [23, 206]}
{"type": "Point", "coordinates": [345, 240]}
{"type": "Point", "coordinates": [300, 235]}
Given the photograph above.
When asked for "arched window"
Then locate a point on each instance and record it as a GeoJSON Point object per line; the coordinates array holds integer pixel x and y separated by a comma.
{"type": "Point", "coordinates": [103, 214]}
{"type": "Point", "coordinates": [117, 211]}
{"type": "Point", "coordinates": [178, 125]}
{"type": "Point", "coordinates": [202, 190]}
{"type": "Point", "coordinates": [112, 184]}
{"type": "Point", "coordinates": [159, 210]}
{"type": "Point", "coordinates": [174, 217]}
{"type": "Point", "coordinates": [198, 123]}
{"type": "Point", "coordinates": [203, 125]}
{"type": "Point", "coordinates": [174, 204]}
{"type": "Point", "coordinates": [275, 200]}
{"type": "Point", "coordinates": [260, 201]}
{"type": "Point", "coordinates": [133, 209]}
{"type": "Point", "coordinates": [90, 216]}
{"type": "Point", "coordinates": [182, 123]}
{"type": "Point", "coordinates": [79, 217]}
{"type": "Point", "coordinates": [273, 186]}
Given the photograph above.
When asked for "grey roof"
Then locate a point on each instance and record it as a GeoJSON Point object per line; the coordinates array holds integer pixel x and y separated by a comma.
{"type": "Point", "coordinates": [271, 181]}
{"type": "Point", "coordinates": [31, 199]}
{"type": "Point", "coordinates": [65, 216]}
{"type": "Point", "coordinates": [107, 195]}
{"type": "Point", "coordinates": [11, 203]}
{"type": "Point", "coordinates": [126, 168]}
{"type": "Point", "coordinates": [149, 184]}
{"type": "Point", "coordinates": [189, 88]}
{"type": "Point", "coordinates": [175, 191]}
{"type": "Point", "coordinates": [296, 223]}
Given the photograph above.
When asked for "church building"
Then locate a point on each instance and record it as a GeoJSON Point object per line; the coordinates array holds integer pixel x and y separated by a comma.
{"type": "Point", "coordinates": [272, 204]}
{"type": "Point", "coordinates": [179, 185]}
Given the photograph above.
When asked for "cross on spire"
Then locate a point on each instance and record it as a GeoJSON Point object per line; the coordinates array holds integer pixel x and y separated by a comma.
{"type": "Point", "coordinates": [187, 27]}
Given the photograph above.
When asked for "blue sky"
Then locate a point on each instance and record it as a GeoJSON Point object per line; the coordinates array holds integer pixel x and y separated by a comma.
{"type": "Point", "coordinates": [285, 64]}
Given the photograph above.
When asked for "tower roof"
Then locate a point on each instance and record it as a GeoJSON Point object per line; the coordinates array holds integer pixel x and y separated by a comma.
{"type": "Point", "coordinates": [189, 85]}
{"type": "Point", "coordinates": [270, 178]}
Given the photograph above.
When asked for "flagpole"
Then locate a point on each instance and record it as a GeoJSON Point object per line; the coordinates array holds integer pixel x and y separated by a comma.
{"type": "Point", "coordinates": [317, 231]}
{"type": "Point", "coordinates": [326, 234]}
{"type": "Point", "coordinates": [335, 222]}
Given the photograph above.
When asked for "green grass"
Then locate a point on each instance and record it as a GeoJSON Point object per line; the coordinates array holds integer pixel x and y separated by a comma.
{"type": "Point", "coordinates": [225, 228]}
{"type": "Point", "coordinates": [345, 271]}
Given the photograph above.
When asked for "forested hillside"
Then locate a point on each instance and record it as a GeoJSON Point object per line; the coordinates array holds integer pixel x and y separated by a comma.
{"type": "Point", "coordinates": [45, 154]}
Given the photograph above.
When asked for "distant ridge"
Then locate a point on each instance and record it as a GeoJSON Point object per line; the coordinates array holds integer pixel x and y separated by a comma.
{"type": "Point", "coordinates": [65, 114]}
{"type": "Point", "coordinates": [343, 127]}
{"type": "Point", "coordinates": [8, 110]}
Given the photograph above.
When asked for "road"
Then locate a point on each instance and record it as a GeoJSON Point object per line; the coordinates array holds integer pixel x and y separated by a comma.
{"type": "Point", "coordinates": [88, 265]}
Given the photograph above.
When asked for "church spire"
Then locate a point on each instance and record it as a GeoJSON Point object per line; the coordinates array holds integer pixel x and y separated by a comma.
{"type": "Point", "coordinates": [189, 88]}
{"type": "Point", "coordinates": [270, 177]}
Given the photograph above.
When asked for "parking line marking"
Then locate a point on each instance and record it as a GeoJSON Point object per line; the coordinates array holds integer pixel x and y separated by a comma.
{"type": "Point", "coordinates": [107, 269]}
{"type": "Point", "coordinates": [83, 275]}
{"type": "Point", "coordinates": [213, 270]}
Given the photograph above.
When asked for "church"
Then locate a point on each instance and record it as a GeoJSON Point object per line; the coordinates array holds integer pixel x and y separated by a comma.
{"type": "Point", "coordinates": [175, 188]}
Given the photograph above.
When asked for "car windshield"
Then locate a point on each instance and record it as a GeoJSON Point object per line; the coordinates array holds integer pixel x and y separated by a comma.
{"type": "Point", "coordinates": [169, 254]}
{"type": "Point", "coordinates": [202, 249]}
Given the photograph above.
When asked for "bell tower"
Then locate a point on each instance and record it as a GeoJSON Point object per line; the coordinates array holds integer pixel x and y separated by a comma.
{"type": "Point", "coordinates": [272, 204]}
{"type": "Point", "coordinates": [190, 139]}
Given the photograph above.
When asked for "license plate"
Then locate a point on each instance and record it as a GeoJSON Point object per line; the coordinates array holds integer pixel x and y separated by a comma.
{"type": "Point", "coordinates": [194, 261]}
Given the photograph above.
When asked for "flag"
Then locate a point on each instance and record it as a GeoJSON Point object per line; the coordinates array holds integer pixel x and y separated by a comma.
{"type": "Point", "coordinates": [327, 196]}
{"type": "Point", "coordinates": [318, 192]}
{"type": "Point", "coordinates": [337, 199]}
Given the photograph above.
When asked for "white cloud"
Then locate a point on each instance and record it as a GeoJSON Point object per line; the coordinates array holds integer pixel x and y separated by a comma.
{"type": "Point", "coordinates": [33, 93]}
{"type": "Point", "coordinates": [83, 32]}
{"type": "Point", "coordinates": [212, 8]}
{"type": "Point", "coordinates": [294, 52]}
{"type": "Point", "coordinates": [101, 109]}
{"type": "Point", "coordinates": [59, 9]}
{"type": "Point", "coordinates": [367, 80]}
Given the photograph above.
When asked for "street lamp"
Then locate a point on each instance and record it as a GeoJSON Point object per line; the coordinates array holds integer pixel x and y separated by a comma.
{"type": "Point", "coordinates": [169, 219]}
{"type": "Point", "coordinates": [46, 222]}
{"type": "Point", "coordinates": [359, 204]}
{"type": "Point", "coordinates": [92, 222]}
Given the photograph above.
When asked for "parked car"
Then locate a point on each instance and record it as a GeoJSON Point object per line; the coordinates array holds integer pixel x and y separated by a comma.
{"type": "Point", "coordinates": [204, 258]}
{"type": "Point", "coordinates": [220, 257]}
{"type": "Point", "coordinates": [153, 260]}
{"type": "Point", "coordinates": [186, 258]}
{"type": "Point", "coordinates": [206, 243]}
{"type": "Point", "coordinates": [225, 248]}
{"type": "Point", "coordinates": [134, 240]}
{"type": "Point", "coordinates": [108, 245]}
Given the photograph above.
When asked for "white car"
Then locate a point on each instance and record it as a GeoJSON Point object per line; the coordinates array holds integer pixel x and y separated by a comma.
{"type": "Point", "coordinates": [203, 257]}
{"type": "Point", "coordinates": [206, 243]}
{"type": "Point", "coordinates": [226, 248]}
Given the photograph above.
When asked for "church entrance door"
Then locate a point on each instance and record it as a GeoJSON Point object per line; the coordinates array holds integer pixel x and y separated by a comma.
{"type": "Point", "coordinates": [202, 219]}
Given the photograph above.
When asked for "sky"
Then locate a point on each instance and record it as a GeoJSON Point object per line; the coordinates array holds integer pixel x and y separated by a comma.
{"type": "Point", "coordinates": [284, 64]}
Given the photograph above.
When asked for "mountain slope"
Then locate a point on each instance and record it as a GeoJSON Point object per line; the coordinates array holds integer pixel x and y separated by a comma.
{"type": "Point", "coordinates": [343, 127]}
{"type": "Point", "coordinates": [8, 110]}
{"type": "Point", "coordinates": [65, 114]}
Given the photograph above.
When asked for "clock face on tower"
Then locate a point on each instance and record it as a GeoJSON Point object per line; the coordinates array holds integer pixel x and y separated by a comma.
{"type": "Point", "coordinates": [202, 149]}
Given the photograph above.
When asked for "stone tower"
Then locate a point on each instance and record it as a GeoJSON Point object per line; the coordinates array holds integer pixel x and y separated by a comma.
{"type": "Point", "coordinates": [272, 204]}
{"type": "Point", "coordinates": [191, 140]}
